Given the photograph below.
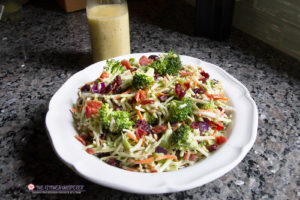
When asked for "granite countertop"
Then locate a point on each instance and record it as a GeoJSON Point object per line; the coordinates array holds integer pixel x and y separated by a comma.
{"type": "Point", "coordinates": [42, 50]}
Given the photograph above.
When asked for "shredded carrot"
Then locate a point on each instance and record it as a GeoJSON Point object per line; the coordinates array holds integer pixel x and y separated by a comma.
{"type": "Point", "coordinates": [140, 115]}
{"type": "Point", "coordinates": [214, 133]}
{"type": "Point", "coordinates": [195, 82]}
{"type": "Point", "coordinates": [133, 137]}
{"type": "Point", "coordinates": [147, 90]}
{"type": "Point", "coordinates": [131, 169]}
{"type": "Point", "coordinates": [166, 157]}
{"type": "Point", "coordinates": [186, 155]}
{"type": "Point", "coordinates": [80, 109]}
{"type": "Point", "coordinates": [74, 110]}
{"type": "Point", "coordinates": [91, 134]}
{"type": "Point", "coordinates": [152, 169]}
{"type": "Point", "coordinates": [224, 99]}
{"type": "Point", "coordinates": [80, 139]}
{"type": "Point", "coordinates": [104, 75]}
{"type": "Point", "coordinates": [186, 73]}
{"type": "Point", "coordinates": [143, 142]}
{"type": "Point", "coordinates": [90, 151]}
{"type": "Point", "coordinates": [160, 93]}
{"type": "Point", "coordinates": [145, 161]}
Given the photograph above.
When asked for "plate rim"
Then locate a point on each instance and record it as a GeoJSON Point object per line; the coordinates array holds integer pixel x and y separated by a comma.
{"type": "Point", "coordinates": [168, 187]}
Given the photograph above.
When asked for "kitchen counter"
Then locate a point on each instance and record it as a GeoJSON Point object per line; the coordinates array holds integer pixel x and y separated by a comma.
{"type": "Point", "coordinates": [42, 50]}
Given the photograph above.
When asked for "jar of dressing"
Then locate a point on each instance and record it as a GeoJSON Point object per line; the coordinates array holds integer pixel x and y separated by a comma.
{"type": "Point", "coordinates": [108, 22]}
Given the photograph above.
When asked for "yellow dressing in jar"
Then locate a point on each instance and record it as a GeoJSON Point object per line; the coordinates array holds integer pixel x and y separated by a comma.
{"type": "Point", "coordinates": [109, 30]}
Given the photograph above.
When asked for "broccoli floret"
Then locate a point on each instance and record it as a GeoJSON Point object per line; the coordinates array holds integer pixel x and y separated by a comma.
{"type": "Point", "coordinates": [143, 80]}
{"type": "Point", "coordinates": [105, 115]}
{"type": "Point", "coordinates": [182, 138]}
{"type": "Point", "coordinates": [168, 64]}
{"type": "Point", "coordinates": [173, 63]}
{"type": "Point", "coordinates": [179, 110]}
{"type": "Point", "coordinates": [114, 67]}
{"type": "Point", "coordinates": [209, 105]}
{"type": "Point", "coordinates": [133, 62]}
{"type": "Point", "coordinates": [121, 121]}
{"type": "Point", "coordinates": [150, 119]}
{"type": "Point", "coordinates": [160, 66]}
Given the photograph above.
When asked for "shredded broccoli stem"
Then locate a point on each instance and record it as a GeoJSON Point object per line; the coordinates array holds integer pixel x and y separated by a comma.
{"type": "Point", "coordinates": [113, 135]}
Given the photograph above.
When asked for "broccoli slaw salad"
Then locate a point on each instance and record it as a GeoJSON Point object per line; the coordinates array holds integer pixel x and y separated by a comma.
{"type": "Point", "coordinates": [151, 115]}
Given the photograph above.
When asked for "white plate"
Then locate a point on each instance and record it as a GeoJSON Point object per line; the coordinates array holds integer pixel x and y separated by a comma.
{"type": "Point", "coordinates": [242, 135]}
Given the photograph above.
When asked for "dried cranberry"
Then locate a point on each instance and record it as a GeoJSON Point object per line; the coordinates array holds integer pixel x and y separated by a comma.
{"type": "Point", "coordinates": [140, 132]}
{"type": "Point", "coordinates": [179, 92]}
{"type": "Point", "coordinates": [133, 69]}
{"type": "Point", "coordinates": [132, 100]}
{"type": "Point", "coordinates": [118, 80]}
{"type": "Point", "coordinates": [85, 88]}
{"type": "Point", "coordinates": [160, 149]}
{"type": "Point", "coordinates": [206, 120]}
{"type": "Point", "coordinates": [159, 129]}
{"type": "Point", "coordinates": [195, 125]}
{"type": "Point", "coordinates": [220, 108]}
{"type": "Point", "coordinates": [102, 90]}
{"type": "Point", "coordinates": [116, 107]}
{"type": "Point", "coordinates": [108, 88]}
{"type": "Point", "coordinates": [102, 136]}
{"type": "Point", "coordinates": [156, 75]}
{"type": "Point", "coordinates": [205, 76]}
{"type": "Point", "coordinates": [193, 157]}
{"type": "Point", "coordinates": [178, 89]}
{"type": "Point", "coordinates": [187, 85]}
{"type": "Point", "coordinates": [100, 155]}
{"type": "Point", "coordinates": [117, 90]}
{"type": "Point", "coordinates": [212, 147]}
{"type": "Point", "coordinates": [182, 94]}
{"type": "Point", "coordinates": [163, 98]}
{"type": "Point", "coordinates": [199, 91]}
{"type": "Point", "coordinates": [114, 162]}
{"type": "Point", "coordinates": [143, 125]}
{"type": "Point", "coordinates": [175, 124]}
{"type": "Point", "coordinates": [147, 101]}
{"type": "Point", "coordinates": [153, 57]}
{"type": "Point", "coordinates": [177, 153]}
{"type": "Point", "coordinates": [159, 135]}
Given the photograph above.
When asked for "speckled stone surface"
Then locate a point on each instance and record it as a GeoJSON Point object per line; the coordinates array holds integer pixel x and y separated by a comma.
{"type": "Point", "coordinates": [41, 51]}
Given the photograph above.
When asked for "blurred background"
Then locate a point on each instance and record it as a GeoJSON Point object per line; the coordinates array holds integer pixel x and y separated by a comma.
{"type": "Point", "coordinates": [275, 22]}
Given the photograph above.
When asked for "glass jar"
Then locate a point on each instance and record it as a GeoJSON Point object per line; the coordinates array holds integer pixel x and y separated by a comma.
{"type": "Point", "coordinates": [108, 22]}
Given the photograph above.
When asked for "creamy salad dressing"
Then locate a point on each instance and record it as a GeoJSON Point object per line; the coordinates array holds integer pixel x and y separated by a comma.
{"type": "Point", "coordinates": [109, 30]}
